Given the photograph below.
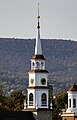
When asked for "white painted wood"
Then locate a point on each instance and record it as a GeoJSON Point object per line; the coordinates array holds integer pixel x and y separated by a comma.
{"type": "Point", "coordinates": [72, 95]}
{"type": "Point", "coordinates": [38, 48]}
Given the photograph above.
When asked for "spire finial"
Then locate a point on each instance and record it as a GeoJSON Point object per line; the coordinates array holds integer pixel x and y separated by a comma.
{"type": "Point", "coordinates": [38, 47]}
{"type": "Point", "coordinates": [38, 17]}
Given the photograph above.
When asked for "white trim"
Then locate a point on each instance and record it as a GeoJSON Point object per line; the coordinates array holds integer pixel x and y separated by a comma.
{"type": "Point", "coordinates": [38, 48]}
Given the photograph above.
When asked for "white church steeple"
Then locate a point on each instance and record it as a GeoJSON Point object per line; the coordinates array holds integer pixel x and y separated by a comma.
{"type": "Point", "coordinates": [38, 89]}
{"type": "Point", "coordinates": [38, 48]}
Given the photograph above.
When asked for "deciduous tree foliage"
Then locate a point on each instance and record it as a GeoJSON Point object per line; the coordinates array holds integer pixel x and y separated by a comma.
{"type": "Point", "coordinates": [12, 103]}
{"type": "Point", "coordinates": [1, 89]}
{"type": "Point", "coordinates": [15, 103]}
{"type": "Point", "coordinates": [58, 104]}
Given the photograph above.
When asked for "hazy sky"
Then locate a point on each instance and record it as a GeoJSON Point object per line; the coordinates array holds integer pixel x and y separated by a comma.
{"type": "Point", "coordinates": [18, 18]}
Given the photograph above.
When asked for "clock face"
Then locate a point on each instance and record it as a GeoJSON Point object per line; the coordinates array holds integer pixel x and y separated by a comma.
{"type": "Point", "coordinates": [43, 81]}
{"type": "Point", "coordinates": [32, 80]}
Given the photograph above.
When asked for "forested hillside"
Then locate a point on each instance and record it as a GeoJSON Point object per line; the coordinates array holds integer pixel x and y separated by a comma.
{"type": "Point", "coordinates": [15, 55]}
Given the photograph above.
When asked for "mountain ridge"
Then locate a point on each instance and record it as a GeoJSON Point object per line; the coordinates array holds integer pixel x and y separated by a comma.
{"type": "Point", "coordinates": [15, 55]}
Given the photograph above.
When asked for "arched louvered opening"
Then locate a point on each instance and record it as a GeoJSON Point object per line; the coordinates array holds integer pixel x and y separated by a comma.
{"type": "Point", "coordinates": [74, 103]}
{"type": "Point", "coordinates": [37, 65]}
{"type": "Point", "coordinates": [70, 103]}
{"type": "Point", "coordinates": [33, 65]}
{"type": "Point", "coordinates": [65, 119]}
{"type": "Point", "coordinates": [43, 99]}
{"type": "Point", "coordinates": [30, 99]}
{"type": "Point", "coordinates": [42, 65]}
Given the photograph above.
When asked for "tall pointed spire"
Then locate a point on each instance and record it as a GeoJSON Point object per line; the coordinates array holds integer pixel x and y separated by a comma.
{"type": "Point", "coordinates": [38, 48]}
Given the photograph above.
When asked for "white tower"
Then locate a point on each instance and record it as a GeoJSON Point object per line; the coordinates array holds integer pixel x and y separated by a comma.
{"type": "Point", "coordinates": [71, 111]}
{"type": "Point", "coordinates": [72, 99]}
{"type": "Point", "coordinates": [38, 91]}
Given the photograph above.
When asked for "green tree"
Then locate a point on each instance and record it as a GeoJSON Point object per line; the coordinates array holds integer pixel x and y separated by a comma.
{"type": "Point", "coordinates": [2, 98]}
{"type": "Point", "coordinates": [1, 89]}
{"type": "Point", "coordinates": [15, 101]}
{"type": "Point", "coordinates": [58, 104]}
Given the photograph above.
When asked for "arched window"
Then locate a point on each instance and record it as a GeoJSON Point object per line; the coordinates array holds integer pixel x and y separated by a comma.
{"type": "Point", "coordinates": [69, 102]}
{"type": "Point", "coordinates": [65, 119]}
{"type": "Point", "coordinates": [74, 102]}
{"type": "Point", "coordinates": [42, 65]}
{"type": "Point", "coordinates": [30, 99]}
{"type": "Point", "coordinates": [33, 64]}
{"type": "Point", "coordinates": [37, 65]}
{"type": "Point", "coordinates": [43, 99]}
